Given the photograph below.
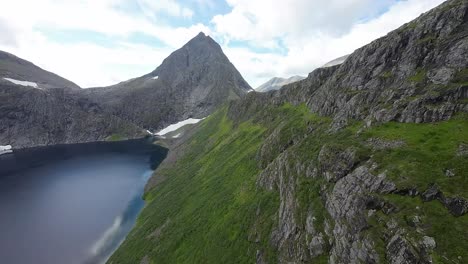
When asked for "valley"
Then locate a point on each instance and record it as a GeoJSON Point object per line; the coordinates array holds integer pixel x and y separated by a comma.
{"type": "Point", "coordinates": [365, 160]}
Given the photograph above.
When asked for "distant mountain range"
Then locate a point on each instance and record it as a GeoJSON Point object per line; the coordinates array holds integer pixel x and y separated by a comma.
{"type": "Point", "coordinates": [42, 108]}
{"type": "Point", "coordinates": [277, 82]}
{"type": "Point", "coordinates": [335, 62]}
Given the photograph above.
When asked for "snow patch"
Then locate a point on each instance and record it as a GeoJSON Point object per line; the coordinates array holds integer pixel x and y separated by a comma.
{"type": "Point", "coordinates": [5, 149]}
{"type": "Point", "coordinates": [177, 136]}
{"type": "Point", "coordinates": [22, 83]}
{"type": "Point", "coordinates": [155, 77]}
{"type": "Point", "coordinates": [149, 132]}
{"type": "Point", "coordinates": [178, 125]}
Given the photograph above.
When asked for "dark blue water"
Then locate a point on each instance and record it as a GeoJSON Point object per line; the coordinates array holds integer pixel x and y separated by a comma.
{"type": "Point", "coordinates": [74, 203]}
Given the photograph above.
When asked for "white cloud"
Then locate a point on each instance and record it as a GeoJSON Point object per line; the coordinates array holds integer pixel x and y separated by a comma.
{"type": "Point", "coordinates": [313, 32]}
{"type": "Point", "coordinates": [169, 7]}
{"type": "Point", "coordinates": [84, 62]}
{"type": "Point", "coordinates": [308, 32]}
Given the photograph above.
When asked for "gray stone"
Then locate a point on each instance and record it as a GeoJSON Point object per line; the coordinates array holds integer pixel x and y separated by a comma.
{"type": "Point", "coordinates": [430, 194]}
{"type": "Point", "coordinates": [457, 206]}
{"type": "Point", "coordinates": [316, 246]}
{"type": "Point", "coordinates": [449, 173]}
{"type": "Point", "coordinates": [428, 242]}
{"type": "Point", "coordinates": [400, 251]}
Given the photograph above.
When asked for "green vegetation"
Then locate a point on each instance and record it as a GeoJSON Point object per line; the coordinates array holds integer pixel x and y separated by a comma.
{"type": "Point", "coordinates": [386, 75]}
{"type": "Point", "coordinates": [419, 76]}
{"type": "Point", "coordinates": [430, 150]}
{"type": "Point", "coordinates": [450, 5]}
{"type": "Point", "coordinates": [427, 39]}
{"type": "Point", "coordinates": [407, 27]}
{"type": "Point", "coordinates": [209, 208]}
{"type": "Point", "coordinates": [461, 77]}
{"type": "Point", "coordinates": [420, 218]}
{"type": "Point", "coordinates": [207, 205]}
{"type": "Point", "coordinates": [115, 137]}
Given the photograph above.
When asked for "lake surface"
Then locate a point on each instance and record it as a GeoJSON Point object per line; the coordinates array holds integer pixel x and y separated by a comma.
{"type": "Point", "coordinates": [72, 203]}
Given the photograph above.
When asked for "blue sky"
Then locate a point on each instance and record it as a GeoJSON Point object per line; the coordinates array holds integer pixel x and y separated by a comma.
{"type": "Point", "coordinates": [102, 42]}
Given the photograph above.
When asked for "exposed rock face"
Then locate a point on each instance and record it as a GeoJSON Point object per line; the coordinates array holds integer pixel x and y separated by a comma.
{"type": "Point", "coordinates": [276, 83]}
{"type": "Point", "coordinates": [416, 74]}
{"type": "Point", "coordinates": [19, 69]}
{"type": "Point", "coordinates": [33, 117]}
{"type": "Point", "coordinates": [192, 82]}
{"type": "Point", "coordinates": [346, 204]}
{"type": "Point", "coordinates": [51, 111]}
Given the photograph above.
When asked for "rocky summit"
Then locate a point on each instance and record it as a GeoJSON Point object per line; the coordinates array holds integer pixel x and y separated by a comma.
{"type": "Point", "coordinates": [192, 82]}
{"type": "Point", "coordinates": [361, 162]}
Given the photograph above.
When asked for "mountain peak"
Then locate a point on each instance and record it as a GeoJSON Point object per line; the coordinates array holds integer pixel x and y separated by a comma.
{"type": "Point", "coordinates": [201, 35]}
{"type": "Point", "coordinates": [192, 81]}
{"type": "Point", "coordinates": [203, 41]}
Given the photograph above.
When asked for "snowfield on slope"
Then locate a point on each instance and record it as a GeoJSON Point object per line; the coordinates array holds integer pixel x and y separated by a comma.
{"type": "Point", "coordinates": [22, 83]}
{"type": "Point", "coordinates": [5, 149]}
{"type": "Point", "coordinates": [178, 125]}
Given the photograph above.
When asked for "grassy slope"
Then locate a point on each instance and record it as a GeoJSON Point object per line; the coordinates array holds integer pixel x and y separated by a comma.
{"type": "Point", "coordinates": [206, 209]}
{"type": "Point", "coordinates": [208, 202]}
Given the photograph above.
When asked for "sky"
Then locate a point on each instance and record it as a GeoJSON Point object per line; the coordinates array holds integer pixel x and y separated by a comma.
{"type": "Point", "coordinates": [102, 42]}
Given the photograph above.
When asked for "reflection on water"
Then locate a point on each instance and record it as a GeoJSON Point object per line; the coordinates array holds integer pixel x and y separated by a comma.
{"type": "Point", "coordinates": [71, 204]}
{"type": "Point", "coordinates": [115, 234]}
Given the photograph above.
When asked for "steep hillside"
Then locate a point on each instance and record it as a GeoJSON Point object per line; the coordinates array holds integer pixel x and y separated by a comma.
{"type": "Point", "coordinates": [276, 83]}
{"type": "Point", "coordinates": [363, 162]}
{"type": "Point", "coordinates": [32, 117]}
{"type": "Point", "coordinates": [192, 82]}
{"type": "Point", "coordinates": [12, 67]}
{"type": "Point", "coordinates": [40, 108]}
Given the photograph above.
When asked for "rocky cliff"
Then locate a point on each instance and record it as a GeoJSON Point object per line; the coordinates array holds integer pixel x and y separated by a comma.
{"type": "Point", "coordinates": [41, 108]}
{"type": "Point", "coordinates": [363, 162]}
{"type": "Point", "coordinates": [192, 82]}
{"type": "Point", "coordinates": [32, 117]}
